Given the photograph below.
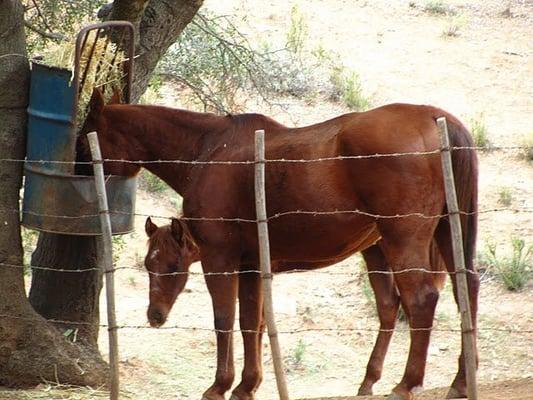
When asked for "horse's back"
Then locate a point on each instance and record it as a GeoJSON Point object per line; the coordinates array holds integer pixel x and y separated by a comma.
{"type": "Point", "coordinates": [398, 184]}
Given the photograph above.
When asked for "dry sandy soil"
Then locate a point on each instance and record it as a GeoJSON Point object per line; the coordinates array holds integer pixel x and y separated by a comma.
{"type": "Point", "coordinates": [401, 55]}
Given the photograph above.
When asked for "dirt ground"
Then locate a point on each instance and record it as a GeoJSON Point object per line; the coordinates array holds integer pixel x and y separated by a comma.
{"type": "Point", "coordinates": [401, 55]}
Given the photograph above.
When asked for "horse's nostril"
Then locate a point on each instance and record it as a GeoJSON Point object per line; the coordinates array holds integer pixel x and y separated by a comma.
{"type": "Point", "coordinates": [156, 318]}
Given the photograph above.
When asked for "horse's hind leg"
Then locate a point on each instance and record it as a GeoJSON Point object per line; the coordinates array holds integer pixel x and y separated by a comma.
{"type": "Point", "coordinates": [387, 303]}
{"type": "Point", "coordinates": [405, 245]}
{"type": "Point", "coordinates": [250, 309]}
{"type": "Point", "coordinates": [442, 235]}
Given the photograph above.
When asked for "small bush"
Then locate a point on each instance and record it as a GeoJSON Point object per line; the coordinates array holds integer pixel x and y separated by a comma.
{"type": "Point", "coordinates": [348, 89]}
{"type": "Point", "coordinates": [296, 359]}
{"type": "Point", "coordinates": [527, 144]}
{"type": "Point", "coordinates": [298, 30]}
{"type": "Point", "coordinates": [479, 131]}
{"type": "Point", "coordinates": [151, 183]}
{"type": "Point", "coordinates": [437, 7]}
{"type": "Point", "coordinates": [514, 271]}
{"type": "Point", "coordinates": [505, 196]}
{"type": "Point", "coordinates": [216, 64]}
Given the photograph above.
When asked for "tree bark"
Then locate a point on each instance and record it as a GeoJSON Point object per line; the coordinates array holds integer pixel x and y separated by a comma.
{"type": "Point", "coordinates": [30, 349]}
{"type": "Point", "coordinates": [68, 296]}
{"type": "Point", "coordinates": [74, 296]}
{"type": "Point", "coordinates": [161, 23]}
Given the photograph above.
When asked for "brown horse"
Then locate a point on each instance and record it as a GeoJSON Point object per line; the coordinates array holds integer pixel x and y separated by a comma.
{"type": "Point", "coordinates": [171, 251]}
{"type": "Point", "coordinates": [377, 186]}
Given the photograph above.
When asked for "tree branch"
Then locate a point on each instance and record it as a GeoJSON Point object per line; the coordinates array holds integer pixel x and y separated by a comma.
{"type": "Point", "coordinates": [40, 14]}
{"type": "Point", "coordinates": [43, 33]}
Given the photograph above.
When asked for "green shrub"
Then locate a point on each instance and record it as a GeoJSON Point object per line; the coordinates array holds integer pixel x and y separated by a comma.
{"type": "Point", "coordinates": [348, 89]}
{"type": "Point", "coordinates": [437, 7]}
{"type": "Point", "coordinates": [516, 270]}
{"type": "Point", "coordinates": [217, 64]}
{"type": "Point", "coordinates": [505, 196]}
{"type": "Point", "coordinates": [479, 131]}
{"type": "Point", "coordinates": [527, 144]}
{"type": "Point", "coordinates": [296, 359]}
{"type": "Point", "coordinates": [151, 183]}
{"type": "Point", "coordinates": [297, 34]}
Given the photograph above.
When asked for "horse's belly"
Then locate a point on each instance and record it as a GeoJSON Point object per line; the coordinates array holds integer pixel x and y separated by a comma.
{"type": "Point", "coordinates": [321, 239]}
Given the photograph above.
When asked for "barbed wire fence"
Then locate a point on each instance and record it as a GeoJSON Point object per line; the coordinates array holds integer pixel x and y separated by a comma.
{"type": "Point", "coordinates": [113, 326]}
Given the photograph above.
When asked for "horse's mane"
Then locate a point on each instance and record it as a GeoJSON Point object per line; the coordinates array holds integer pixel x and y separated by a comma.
{"type": "Point", "coordinates": [253, 121]}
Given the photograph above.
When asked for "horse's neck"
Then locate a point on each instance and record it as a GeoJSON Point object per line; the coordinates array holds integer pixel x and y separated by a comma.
{"type": "Point", "coordinates": [166, 134]}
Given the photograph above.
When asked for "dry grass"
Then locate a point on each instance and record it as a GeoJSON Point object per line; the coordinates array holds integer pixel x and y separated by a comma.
{"type": "Point", "coordinates": [102, 69]}
{"type": "Point", "coordinates": [56, 391]}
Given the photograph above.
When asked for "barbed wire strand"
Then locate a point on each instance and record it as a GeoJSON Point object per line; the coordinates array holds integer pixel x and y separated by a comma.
{"type": "Point", "coordinates": [292, 331]}
{"type": "Point", "coordinates": [273, 216]}
{"type": "Point", "coordinates": [274, 160]}
{"type": "Point", "coordinates": [242, 272]}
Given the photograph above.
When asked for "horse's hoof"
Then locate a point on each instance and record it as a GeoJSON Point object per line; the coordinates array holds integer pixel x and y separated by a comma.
{"type": "Point", "coordinates": [243, 396]}
{"type": "Point", "coordinates": [397, 396]}
{"type": "Point", "coordinates": [453, 393]}
{"type": "Point", "coordinates": [364, 391]}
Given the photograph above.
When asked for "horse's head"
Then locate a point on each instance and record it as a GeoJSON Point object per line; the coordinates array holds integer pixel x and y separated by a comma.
{"type": "Point", "coordinates": [171, 250]}
{"type": "Point", "coordinates": [110, 130]}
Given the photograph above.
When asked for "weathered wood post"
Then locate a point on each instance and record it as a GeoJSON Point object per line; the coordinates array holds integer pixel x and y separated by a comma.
{"type": "Point", "coordinates": [468, 333]}
{"type": "Point", "coordinates": [264, 254]}
{"type": "Point", "coordinates": [106, 261]}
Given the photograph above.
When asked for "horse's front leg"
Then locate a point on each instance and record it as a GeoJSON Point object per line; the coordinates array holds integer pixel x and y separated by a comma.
{"type": "Point", "coordinates": [223, 291]}
{"type": "Point", "coordinates": [250, 310]}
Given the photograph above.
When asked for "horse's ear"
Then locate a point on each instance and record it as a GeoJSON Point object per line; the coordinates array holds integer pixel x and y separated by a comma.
{"type": "Point", "coordinates": [96, 105]}
{"type": "Point", "coordinates": [116, 97]}
{"type": "Point", "coordinates": [150, 227]}
{"type": "Point", "coordinates": [177, 229]}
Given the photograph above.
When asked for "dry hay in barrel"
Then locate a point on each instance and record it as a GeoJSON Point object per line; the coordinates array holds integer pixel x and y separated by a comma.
{"type": "Point", "coordinates": [103, 68]}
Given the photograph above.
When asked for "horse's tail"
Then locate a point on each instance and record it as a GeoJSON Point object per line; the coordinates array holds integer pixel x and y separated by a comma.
{"type": "Point", "coordinates": [465, 168]}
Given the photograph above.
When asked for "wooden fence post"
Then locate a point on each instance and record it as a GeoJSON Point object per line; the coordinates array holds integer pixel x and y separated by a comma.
{"type": "Point", "coordinates": [469, 343]}
{"type": "Point", "coordinates": [106, 261]}
{"type": "Point", "coordinates": [266, 273]}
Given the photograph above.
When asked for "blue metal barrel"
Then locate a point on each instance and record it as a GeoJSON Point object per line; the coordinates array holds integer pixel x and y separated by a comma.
{"type": "Point", "coordinates": [51, 130]}
{"type": "Point", "coordinates": [56, 200]}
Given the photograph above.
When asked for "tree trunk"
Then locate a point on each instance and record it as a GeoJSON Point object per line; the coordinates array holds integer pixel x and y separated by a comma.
{"type": "Point", "coordinates": [161, 23]}
{"type": "Point", "coordinates": [30, 349]}
{"type": "Point", "coordinates": [68, 296]}
{"type": "Point", "coordinates": [74, 296]}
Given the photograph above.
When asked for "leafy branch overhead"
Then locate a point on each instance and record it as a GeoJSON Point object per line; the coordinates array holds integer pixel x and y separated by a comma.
{"type": "Point", "coordinates": [217, 66]}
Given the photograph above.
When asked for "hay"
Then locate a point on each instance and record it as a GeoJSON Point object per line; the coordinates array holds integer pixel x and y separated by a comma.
{"type": "Point", "coordinates": [105, 67]}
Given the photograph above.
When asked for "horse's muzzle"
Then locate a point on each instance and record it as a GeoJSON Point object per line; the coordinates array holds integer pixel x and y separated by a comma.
{"type": "Point", "coordinates": [156, 318]}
